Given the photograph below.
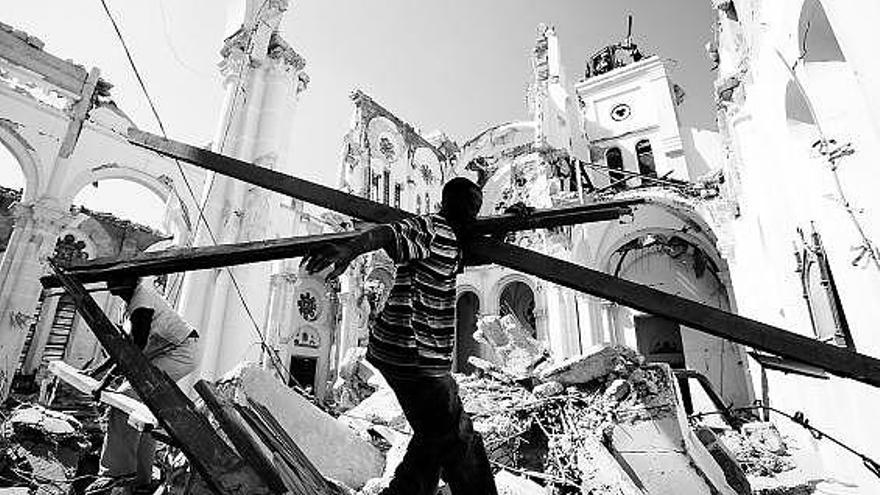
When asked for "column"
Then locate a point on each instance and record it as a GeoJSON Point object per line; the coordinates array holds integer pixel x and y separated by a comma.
{"type": "Point", "coordinates": [37, 226]}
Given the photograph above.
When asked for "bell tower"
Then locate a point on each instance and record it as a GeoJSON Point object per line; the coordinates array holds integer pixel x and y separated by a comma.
{"type": "Point", "coordinates": [628, 107]}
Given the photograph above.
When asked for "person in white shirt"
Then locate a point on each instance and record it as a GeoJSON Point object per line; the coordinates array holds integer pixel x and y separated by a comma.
{"type": "Point", "coordinates": [170, 344]}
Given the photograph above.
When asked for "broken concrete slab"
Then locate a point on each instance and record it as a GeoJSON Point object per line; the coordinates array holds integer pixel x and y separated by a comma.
{"type": "Point", "coordinates": [508, 483]}
{"type": "Point", "coordinates": [652, 439]}
{"type": "Point", "coordinates": [381, 408]}
{"type": "Point", "coordinates": [516, 351]}
{"type": "Point", "coordinates": [600, 472]}
{"type": "Point", "coordinates": [321, 437]}
{"type": "Point", "coordinates": [733, 473]}
{"type": "Point", "coordinates": [596, 362]}
{"type": "Point", "coordinates": [548, 389]}
{"type": "Point", "coordinates": [41, 444]}
{"type": "Point", "coordinates": [357, 380]}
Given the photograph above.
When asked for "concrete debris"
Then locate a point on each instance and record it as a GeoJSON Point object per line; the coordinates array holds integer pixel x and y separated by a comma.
{"type": "Point", "coordinates": [726, 460]}
{"type": "Point", "coordinates": [765, 436]}
{"type": "Point", "coordinates": [618, 390]}
{"type": "Point", "coordinates": [601, 472]}
{"type": "Point", "coordinates": [37, 419]}
{"type": "Point", "coordinates": [320, 436]}
{"type": "Point", "coordinates": [596, 362]}
{"type": "Point", "coordinates": [616, 427]}
{"type": "Point", "coordinates": [758, 452]}
{"type": "Point", "coordinates": [516, 351]}
{"type": "Point", "coordinates": [548, 389]}
{"type": "Point", "coordinates": [511, 484]}
{"type": "Point", "coordinates": [39, 444]}
{"type": "Point", "coordinates": [357, 380]}
{"type": "Point", "coordinates": [381, 408]}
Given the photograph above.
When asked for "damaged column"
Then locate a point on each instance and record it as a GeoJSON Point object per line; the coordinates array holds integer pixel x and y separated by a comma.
{"type": "Point", "coordinates": [264, 78]}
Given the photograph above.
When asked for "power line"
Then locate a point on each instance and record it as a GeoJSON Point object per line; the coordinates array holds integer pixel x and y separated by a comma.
{"type": "Point", "coordinates": [272, 353]}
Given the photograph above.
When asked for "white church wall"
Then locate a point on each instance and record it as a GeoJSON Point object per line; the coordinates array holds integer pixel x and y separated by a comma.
{"type": "Point", "coordinates": [786, 184]}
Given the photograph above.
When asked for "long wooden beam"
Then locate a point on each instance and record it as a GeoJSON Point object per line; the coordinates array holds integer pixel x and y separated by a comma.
{"type": "Point", "coordinates": [219, 465]}
{"type": "Point", "coordinates": [713, 321]}
{"type": "Point", "coordinates": [356, 206]}
{"type": "Point", "coordinates": [199, 258]}
{"type": "Point", "coordinates": [185, 259]}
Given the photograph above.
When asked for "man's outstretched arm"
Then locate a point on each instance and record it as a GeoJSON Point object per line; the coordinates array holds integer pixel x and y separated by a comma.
{"type": "Point", "coordinates": [341, 255]}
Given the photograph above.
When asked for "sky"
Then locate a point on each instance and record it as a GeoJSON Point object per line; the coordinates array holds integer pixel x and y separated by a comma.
{"type": "Point", "coordinates": [457, 66]}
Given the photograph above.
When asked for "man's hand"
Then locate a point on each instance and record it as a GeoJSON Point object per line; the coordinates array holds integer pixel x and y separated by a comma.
{"type": "Point", "coordinates": [340, 256]}
{"type": "Point", "coordinates": [519, 209]}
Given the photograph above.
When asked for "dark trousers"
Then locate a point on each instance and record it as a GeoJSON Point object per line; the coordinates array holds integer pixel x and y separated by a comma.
{"type": "Point", "coordinates": [444, 441]}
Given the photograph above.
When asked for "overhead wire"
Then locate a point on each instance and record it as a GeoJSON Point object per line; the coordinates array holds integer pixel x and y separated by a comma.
{"type": "Point", "coordinates": [273, 355]}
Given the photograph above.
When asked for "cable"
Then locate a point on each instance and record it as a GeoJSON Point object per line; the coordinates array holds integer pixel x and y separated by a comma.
{"type": "Point", "coordinates": [276, 361]}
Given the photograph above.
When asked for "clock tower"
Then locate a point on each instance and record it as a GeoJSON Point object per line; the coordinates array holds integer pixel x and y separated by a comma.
{"type": "Point", "coordinates": [628, 111]}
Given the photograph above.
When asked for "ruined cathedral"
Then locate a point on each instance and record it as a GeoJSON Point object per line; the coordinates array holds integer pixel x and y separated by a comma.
{"type": "Point", "coordinates": [774, 215]}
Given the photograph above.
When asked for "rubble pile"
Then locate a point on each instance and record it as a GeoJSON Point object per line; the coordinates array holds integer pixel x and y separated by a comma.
{"type": "Point", "coordinates": [757, 455]}
{"type": "Point", "coordinates": [554, 434]}
{"type": "Point", "coordinates": [516, 352]}
{"type": "Point", "coordinates": [41, 449]}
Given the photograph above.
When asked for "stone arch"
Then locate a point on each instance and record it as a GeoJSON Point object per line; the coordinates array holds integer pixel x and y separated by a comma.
{"type": "Point", "coordinates": [110, 171]}
{"type": "Point", "coordinates": [679, 262]}
{"type": "Point", "coordinates": [700, 229]}
{"type": "Point", "coordinates": [495, 294]}
{"type": "Point", "coordinates": [27, 160]}
{"type": "Point", "coordinates": [519, 299]}
{"type": "Point", "coordinates": [160, 185]}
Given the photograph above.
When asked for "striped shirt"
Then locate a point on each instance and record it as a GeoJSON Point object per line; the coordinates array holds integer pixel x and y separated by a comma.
{"type": "Point", "coordinates": [414, 334]}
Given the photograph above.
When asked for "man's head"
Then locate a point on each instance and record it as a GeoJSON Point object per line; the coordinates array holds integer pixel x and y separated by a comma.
{"type": "Point", "coordinates": [462, 200]}
{"type": "Point", "coordinates": [122, 286]}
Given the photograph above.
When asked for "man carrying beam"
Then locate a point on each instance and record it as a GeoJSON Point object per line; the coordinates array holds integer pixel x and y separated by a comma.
{"type": "Point", "coordinates": [411, 342]}
{"type": "Point", "coordinates": [170, 344]}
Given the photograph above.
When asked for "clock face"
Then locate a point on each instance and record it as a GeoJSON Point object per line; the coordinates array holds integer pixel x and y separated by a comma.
{"type": "Point", "coordinates": [620, 112]}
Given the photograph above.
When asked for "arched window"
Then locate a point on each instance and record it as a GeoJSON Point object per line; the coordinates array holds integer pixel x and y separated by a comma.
{"type": "Point", "coordinates": [428, 208]}
{"type": "Point", "coordinates": [817, 41]}
{"type": "Point", "coordinates": [614, 162]}
{"type": "Point", "coordinates": [376, 188]}
{"type": "Point", "coordinates": [418, 205]}
{"type": "Point", "coordinates": [397, 189]}
{"type": "Point", "coordinates": [820, 292]}
{"type": "Point", "coordinates": [386, 187]}
{"type": "Point", "coordinates": [518, 299]}
{"type": "Point", "coordinates": [645, 158]}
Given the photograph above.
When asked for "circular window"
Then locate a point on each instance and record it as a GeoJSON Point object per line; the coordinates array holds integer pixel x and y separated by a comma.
{"type": "Point", "coordinates": [621, 111]}
{"type": "Point", "coordinates": [307, 305]}
{"type": "Point", "coordinates": [387, 148]}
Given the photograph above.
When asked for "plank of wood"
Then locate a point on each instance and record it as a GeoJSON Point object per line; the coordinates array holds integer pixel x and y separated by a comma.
{"type": "Point", "coordinates": [356, 206]}
{"type": "Point", "coordinates": [78, 113]}
{"type": "Point", "coordinates": [836, 360]}
{"type": "Point", "coordinates": [239, 434]}
{"type": "Point", "coordinates": [288, 477]}
{"type": "Point", "coordinates": [139, 415]}
{"type": "Point", "coordinates": [186, 259]}
{"type": "Point", "coordinates": [306, 477]}
{"type": "Point", "coordinates": [542, 219]}
{"type": "Point", "coordinates": [68, 76]}
{"type": "Point", "coordinates": [221, 468]}
{"type": "Point", "coordinates": [710, 320]}
{"type": "Point", "coordinates": [199, 258]}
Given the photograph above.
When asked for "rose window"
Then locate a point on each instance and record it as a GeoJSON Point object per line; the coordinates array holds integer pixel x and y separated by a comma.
{"type": "Point", "coordinates": [308, 306]}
